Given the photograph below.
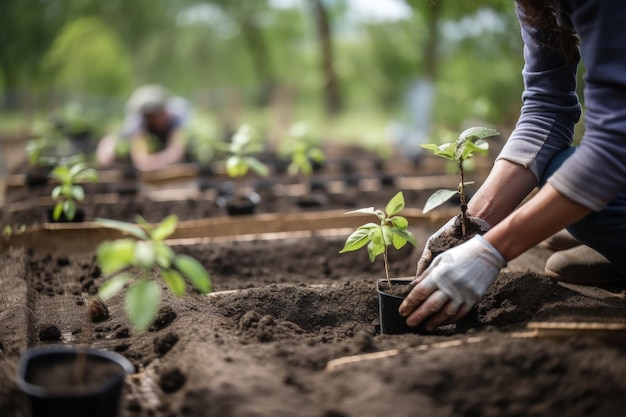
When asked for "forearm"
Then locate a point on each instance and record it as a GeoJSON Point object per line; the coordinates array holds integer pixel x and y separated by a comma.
{"type": "Point", "coordinates": [504, 189]}
{"type": "Point", "coordinates": [545, 214]}
{"type": "Point", "coordinates": [145, 161]}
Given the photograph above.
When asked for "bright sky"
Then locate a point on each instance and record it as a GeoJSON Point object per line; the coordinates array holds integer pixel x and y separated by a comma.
{"type": "Point", "coordinates": [369, 10]}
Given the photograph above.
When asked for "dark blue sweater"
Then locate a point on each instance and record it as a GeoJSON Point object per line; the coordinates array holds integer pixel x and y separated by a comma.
{"type": "Point", "coordinates": [596, 172]}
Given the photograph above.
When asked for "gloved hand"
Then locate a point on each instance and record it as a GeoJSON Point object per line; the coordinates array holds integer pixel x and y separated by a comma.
{"type": "Point", "coordinates": [452, 284]}
{"type": "Point", "coordinates": [451, 228]}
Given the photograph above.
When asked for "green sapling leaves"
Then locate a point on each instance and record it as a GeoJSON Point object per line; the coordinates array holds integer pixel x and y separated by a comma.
{"type": "Point", "coordinates": [377, 237]}
{"type": "Point", "coordinates": [146, 252]}
{"type": "Point", "coordinates": [68, 192]}
{"type": "Point", "coordinates": [471, 141]}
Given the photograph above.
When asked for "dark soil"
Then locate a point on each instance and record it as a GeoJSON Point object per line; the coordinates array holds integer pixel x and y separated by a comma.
{"type": "Point", "coordinates": [261, 345]}
{"type": "Point", "coordinates": [445, 242]}
{"type": "Point", "coordinates": [263, 349]}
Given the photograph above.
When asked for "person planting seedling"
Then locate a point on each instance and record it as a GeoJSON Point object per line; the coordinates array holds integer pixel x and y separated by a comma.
{"type": "Point", "coordinates": [470, 141]}
{"type": "Point", "coordinates": [392, 230]}
{"type": "Point", "coordinates": [69, 174]}
{"type": "Point", "coordinates": [147, 252]}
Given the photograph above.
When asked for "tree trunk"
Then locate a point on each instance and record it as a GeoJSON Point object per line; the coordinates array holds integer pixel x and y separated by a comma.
{"type": "Point", "coordinates": [433, 13]}
{"type": "Point", "coordinates": [260, 57]}
{"type": "Point", "coordinates": [332, 96]}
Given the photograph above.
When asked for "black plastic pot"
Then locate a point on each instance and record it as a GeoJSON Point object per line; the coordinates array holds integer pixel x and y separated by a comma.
{"type": "Point", "coordinates": [96, 399]}
{"type": "Point", "coordinates": [391, 322]}
{"type": "Point", "coordinates": [239, 205]}
{"type": "Point", "coordinates": [311, 200]}
{"type": "Point", "coordinates": [78, 218]}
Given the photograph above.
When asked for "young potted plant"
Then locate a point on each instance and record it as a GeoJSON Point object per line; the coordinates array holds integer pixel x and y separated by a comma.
{"type": "Point", "coordinates": [303, 153]}
{"type": "Point", "coordinates": [240, 162]}
{"type": "Point", "coordinates": [470, 142]}
{"type": "Point", "coordinates": [392, 230]}
{"type": "Point", "coordinates": [68, 192]}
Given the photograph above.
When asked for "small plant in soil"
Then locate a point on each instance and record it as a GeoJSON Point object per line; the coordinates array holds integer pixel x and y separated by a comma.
{"type": "Point", "coordinates": [470, 142]}
{"type": "Point", "coordinates": [302, 152]}
{"type": "Point", "coordinates": [377, 237]}
{"type": "Point", "coordinates": [146, 252]}
{"type": "Point", "coordinates": [69, 191]}
{"type": "Point", "coordinates": [241, 151]}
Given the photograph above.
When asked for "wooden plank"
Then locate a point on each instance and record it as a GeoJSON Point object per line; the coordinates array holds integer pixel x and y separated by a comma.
{"type": "Point", "coordinates": [83, 237]}
{"type": "Point", "coordinates": [334, 364]}
{"type": "Point", "coordinates": [613, 333]}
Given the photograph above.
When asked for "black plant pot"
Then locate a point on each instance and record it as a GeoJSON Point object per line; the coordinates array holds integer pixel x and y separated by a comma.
{"type": "Point", "coordinates": [94, 398]}
{"type": "Point", "coordinates": [239, 205]}
{"type": "Point", "coordinates": [311, 200]}
{"type": "Point", "coordinates": [391, 322]}
{"type": "Point", "coordinates": [79, 217]}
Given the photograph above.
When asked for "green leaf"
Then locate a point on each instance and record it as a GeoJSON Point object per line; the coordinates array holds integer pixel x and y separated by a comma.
{"type": "Point", "coordinates": [374, 248]}
{"type": "Point", "coordinates": [474, 133]}
{"type": "Point", "coordinates": [57, 211]}
{"type": "Point", "coordinates": [481, 147]}
{"type": "Point", "coordinates": [366, 210]}
{"type": "Point", "coordinates": [128, 228]}
{"type": "Point", "coordinates": [56, 192]}
{"type": "Point", "coordinates": [387, 235]}
{"type": "Point", "coordinates": [61, 173]}
{"type": "Point", "coordinates": [316, 154]}
{"type": "Point", "coordinates": [114, 256]}
{"type": "Point", "coordinates": [194, 272]}
{"type": "Point", "coordinates": [145, 254]}
{"type": "Point", "coordinates": [78, 192]}
{"type": "Point", "coordinates": [69, 208]}
{"type": "Point", "coordinates": [76, 169]}
{"type": "Point", "coordinates": [438, 198]}
{"type": "Point", "coordinates": [165, 229]}
{"type": "Point", "coordinates": [111, 287]}
{"type": "Point", "coordinates": [89, 174]}
{"type": "Point", "coordinates": [142, 303]}
{"type": "Point", "coordinates": [164, 255]}
{"type": "Point", "coordinates": [399, 222]}
{"type": "Point", "coordinates": [395, 205]}
{"type": "Point", "coordinates": [359, 238]}
{"type": "Point", "coordinates": [257, 166]}
{"type": "Point", "coordinates": [235, 167]}
{"type": "Point", "coordinates": [405, 236]}
{"type": "Point", "coordinates": [174, 280]}
{"type": "Point", "coordinates": [445, 150]}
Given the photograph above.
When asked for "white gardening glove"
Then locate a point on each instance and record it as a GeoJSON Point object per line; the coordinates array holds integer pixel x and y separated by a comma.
{"type": "Point", "coordinates": [451, 228]}
{"type": "Point", "coordinates": [452, 284]}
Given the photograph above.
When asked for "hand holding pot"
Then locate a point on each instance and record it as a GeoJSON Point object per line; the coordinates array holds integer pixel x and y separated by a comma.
{"type": "Point", "coordinates": [452, 284]}
{"type": "Point", "coordinates": [451, 228]}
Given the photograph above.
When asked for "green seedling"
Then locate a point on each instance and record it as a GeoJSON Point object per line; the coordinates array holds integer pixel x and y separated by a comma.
{"type": "Point", "coordinates": [241, 159]}
{"type": "Point", "coordinates": [392, 230]}
{"type": "Point", "coordinates": [470, 142]}
{"type": "Point", "coordinates": [68, 192]}
{"type": "Point", "coordinates": [145, 250]}
{"type": "Point", "coordinates": [302, 152]}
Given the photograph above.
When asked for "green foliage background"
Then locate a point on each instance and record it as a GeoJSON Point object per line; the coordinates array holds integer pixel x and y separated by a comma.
{"type": "Point", "coordinates": [237, 56]}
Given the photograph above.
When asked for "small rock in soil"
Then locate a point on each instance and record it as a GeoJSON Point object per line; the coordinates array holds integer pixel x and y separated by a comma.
{"type": "Point", "coordinates": [63, 261]}
{"type": "Point", "coordinates": [165, 317]}
{"type": "Point", "coordinates": [49, 332]}
{"type": "Point", "coordinates": [163, 344]}
{"type": "Point", "coordinates": [98, 311]}
{"type": "Point", "coordinates": [172, 380]}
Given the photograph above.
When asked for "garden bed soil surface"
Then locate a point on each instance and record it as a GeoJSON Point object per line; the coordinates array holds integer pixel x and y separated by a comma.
{"type": "Point", "coordinates": [263, 350]}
